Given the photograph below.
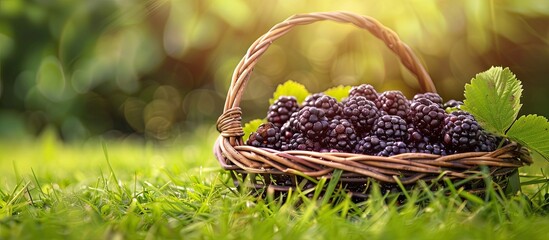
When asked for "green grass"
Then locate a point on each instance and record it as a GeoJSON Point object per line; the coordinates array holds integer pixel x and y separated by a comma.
{"type": "Point", "coordinates": [130, 190]}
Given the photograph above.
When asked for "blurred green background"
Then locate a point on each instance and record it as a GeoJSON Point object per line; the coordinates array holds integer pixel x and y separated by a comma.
{"type": "Point", "coordinates": [158, 69]}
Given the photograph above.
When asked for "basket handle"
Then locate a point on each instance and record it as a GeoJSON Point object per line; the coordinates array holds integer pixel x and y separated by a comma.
{"type": "Point", "coordinates": [229, 122]}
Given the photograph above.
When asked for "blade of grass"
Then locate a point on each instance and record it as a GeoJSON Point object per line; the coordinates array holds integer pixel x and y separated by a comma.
{"type": "Point", "coordinates": [471, 197]}
{"type": "Point", "coordinates": [106, 153]}
{"type": "Point", "coordinates": [336, 175]}
{"type": "Point", "coordinates": [17, 194]}
{"type": "Point", "coordinates": [402, 188]}
{"type": "Point", "coordinates": [319, 188]}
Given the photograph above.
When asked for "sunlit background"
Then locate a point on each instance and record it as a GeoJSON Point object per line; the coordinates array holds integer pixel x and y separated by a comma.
{"type": "Point", "coordinates": [158, 69]}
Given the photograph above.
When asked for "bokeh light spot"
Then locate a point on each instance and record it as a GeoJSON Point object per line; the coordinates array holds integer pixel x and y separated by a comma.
{"type": "Point", "coordinates": [158, 127]}
{"type": "Point", "coordinates": [198, 104]}
{"type": "Point", "coordinates": [11, 8]}
{"type": "Point", "coordinates": [50, 79]}
{"type": "Point", "coordinates": [235, 12]}
{"type": "Point", "coordinates": [168, 93]}
{"type": "Point", "coordinates": [133, 113]}
{"type": "Point", "coordinates": [6, 45]}
{"type": "Point", "coordinates": [177, 30]}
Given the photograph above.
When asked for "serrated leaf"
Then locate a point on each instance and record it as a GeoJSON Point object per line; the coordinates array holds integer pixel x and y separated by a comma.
{"type": "Point", "coordinates": [493, 97]}
{"type": "Point", "coordinates": [290, 88]}
{"type": "Point", "coordinates": [340, 92]}
{"type": "Point", "coordinates": [532, 131]}
{"type": "Point", "coordinates": [251, 126]}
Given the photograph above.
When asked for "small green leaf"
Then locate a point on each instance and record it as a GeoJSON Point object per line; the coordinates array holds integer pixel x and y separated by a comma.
{"type": "Point", "coordinates": [532, 131]}
{"type": "Point", "coordinates": [340, 92]}
{"type": "Point", "coordinates": [513, 185]}
{"type": "Point", "coordinates": [452, 109]}
{"type": "Point", "coordinates": [493, 97]}
{"type": "Point", "coordinates": [251, 126]}
{"type": "Point", "coordinates": [290, 88]}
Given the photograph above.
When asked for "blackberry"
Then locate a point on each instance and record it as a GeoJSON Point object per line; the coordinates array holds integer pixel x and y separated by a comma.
{"type": "Point", "coordinates": [452, 104]}
{"type": "Point", "coordinates": [414, 135]}
{"type": "Point", "coordinates": [341, 135]}
{"type": "Point", "coordinates": [282, 108]}
{"type": "Point", "coordinates": [394, 148]}
{"type": "Point", "coordinates": [361, 112]}
{"type": "Point", "coordinates": [437, 149]}
{"type": "Point", "coordinates": [390, 128]}
{"type": "Point", "coordinates": [427, 117]}
{"type": "Point", "coordinates": [364, 90]}
{"type": "Point", "coordinates": [311, 99]}
{"type": "Point", "coordinates": [394, 103]}
{"type": "Point", "coordinates": [287, 131]}
{"type": "Point", "coordinates": [433, 97]}
{"type": "Point", "coordinates": [370, 145]}
{"type": "Point", "coordinates": [267, 135]}
{"type": "Point", "coordinates": [460, 131]}
{"type": "Point", "coordinates": [328, 104]}
{"type": "Point", "coordinates": [312, 122]}
{"type": "Point", "coordinates": [300, 142]}
{"type": "Point", "coordinates": [426, 146]}
{"type": "Point", "coordinates": [486, 142]}
{"type": "Point", "coordinates": [329, 150]}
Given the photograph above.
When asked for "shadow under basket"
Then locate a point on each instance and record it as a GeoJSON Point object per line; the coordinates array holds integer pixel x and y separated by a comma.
{"type": "Point", "coordinates": [276, 172]}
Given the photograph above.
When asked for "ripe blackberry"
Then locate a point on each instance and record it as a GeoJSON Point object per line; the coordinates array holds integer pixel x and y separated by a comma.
{"type": "Point", "coordinates": [328, 104]}
{"type": "Point", "coordinates": [460, 131]}
{"type": "Point", "coordinates": [394, 148]}
{"type": "Point", "coordinates": [425, 146]}
{"type": "Point", "coordinates": [427, 117]}
{"type": "Point", "coordinates": [486, 142]}
{"type": "Point", "coordinates": [267, 135]}
{"type": "Point", "coordinates": [287, 131]}
{"type": "Point", "coordinates": [282, 108]}
{"type": "Point", "coordinates": [414, 135]}
{"type": "Point", "coordinates": [300, 142]}
{"type": "Point", "coordinates": [311, 99]}
{"type": "Point", "coordinates": [340, 135]}
{"type": "Point", "coordinates": [394, 103]}
{"type": "Point", "coordinates": [452, 104]}
{"type": "Point", "coordinates": [312, 122]}
{"type": "Point", "coordinates": [329, 150]}
{"type": "Point", "coordinates": [390, 128]}
{"type": "Point", "coordinates": [370, 145]}
{"type": "Point", "coordinates": [361, 112]}
{"type": "Point", "coordinates": [364, 90]}
{"type": "Point", "coordinates": [433, 97]}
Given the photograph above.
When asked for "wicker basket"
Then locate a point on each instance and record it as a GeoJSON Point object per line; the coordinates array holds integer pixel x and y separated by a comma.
{"type": "Point", "coordinates": [278, 171]}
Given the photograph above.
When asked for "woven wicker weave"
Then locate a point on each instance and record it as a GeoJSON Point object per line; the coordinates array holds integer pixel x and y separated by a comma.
{"type": "Point", "coordinates": [266, 165]}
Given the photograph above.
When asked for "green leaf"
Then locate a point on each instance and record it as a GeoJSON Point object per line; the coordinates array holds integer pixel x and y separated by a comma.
{"type": "Point", "coordinates": [513, 185]}
{"type": "Point", "coordinates": [493, 97]}
{"type": "Point", "coordinates": [452, 109]}
{"type": "Point", "coordinates": [532, 131]}
{"type": "Point", "coordinates": [251, 126]}
{"type": "Point", "coordinates": [290, 88]}
{"type": "Point", "coordinates": [340, 92]}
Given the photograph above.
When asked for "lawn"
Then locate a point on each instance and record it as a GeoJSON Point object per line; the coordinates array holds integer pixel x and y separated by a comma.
{"type": "Point", "coordinates": [128, 189]}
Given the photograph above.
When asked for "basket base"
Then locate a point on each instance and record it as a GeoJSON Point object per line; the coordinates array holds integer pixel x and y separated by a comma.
{"type": "Point", "coordinates": [277, 186]}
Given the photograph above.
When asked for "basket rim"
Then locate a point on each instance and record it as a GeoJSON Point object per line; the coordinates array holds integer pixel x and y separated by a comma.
{"type": "Point", "coordinates": [408, 167]}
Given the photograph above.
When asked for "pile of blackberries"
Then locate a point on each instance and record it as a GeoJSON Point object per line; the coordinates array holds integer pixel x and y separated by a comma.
{"type": "Point", "coordinates": [368, 122]}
